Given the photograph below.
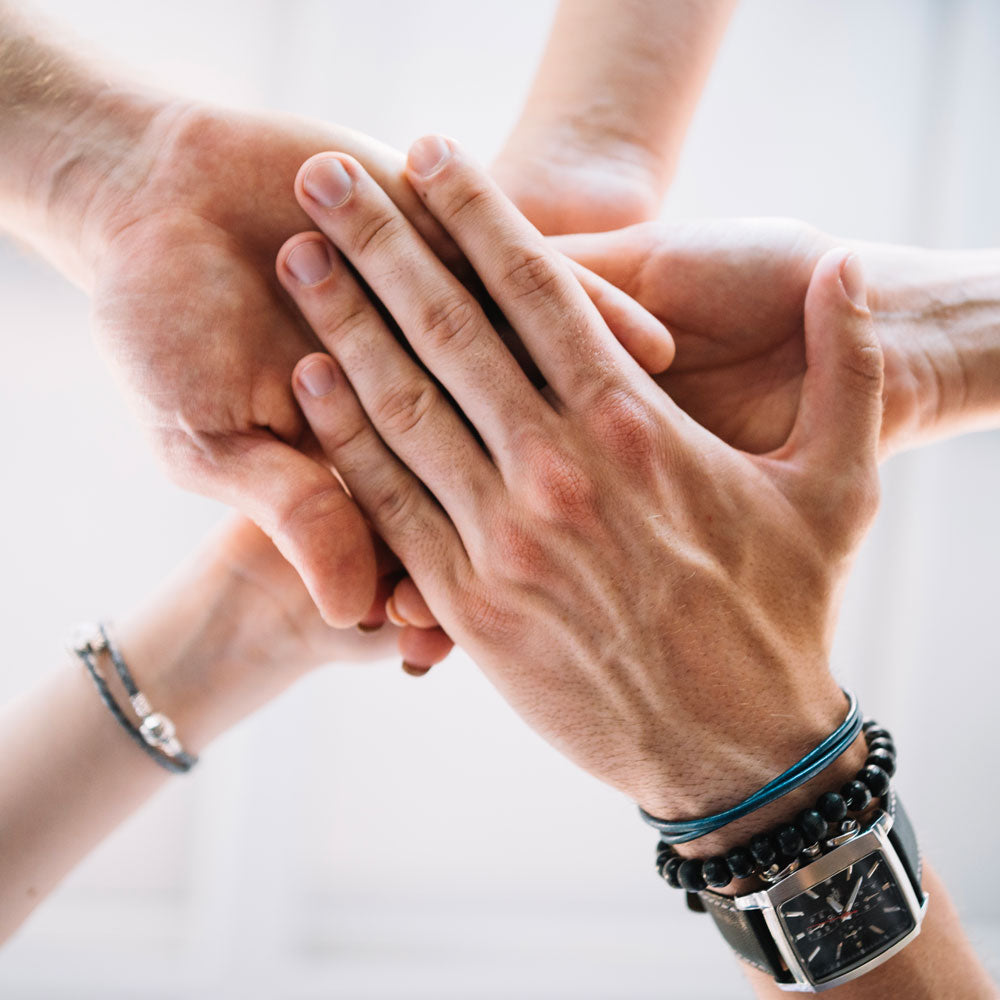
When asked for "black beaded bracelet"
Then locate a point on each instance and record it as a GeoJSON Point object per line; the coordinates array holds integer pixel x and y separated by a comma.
{"type": "Point", "coordinates": [773, 854]}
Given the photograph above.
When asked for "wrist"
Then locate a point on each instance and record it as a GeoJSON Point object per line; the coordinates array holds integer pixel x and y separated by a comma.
{"type": "Point", "coordinates": [741, 765]}
{"type": "Point", "coordinates": [203, 651]}
{"type": "Point", "coordinates": [76, 159]}
{"type": "Point", "coordinates": [938, 318]}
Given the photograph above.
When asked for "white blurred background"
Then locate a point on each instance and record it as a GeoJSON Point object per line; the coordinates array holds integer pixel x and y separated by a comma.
{"type": "Point", "coordinates": [369, 836]}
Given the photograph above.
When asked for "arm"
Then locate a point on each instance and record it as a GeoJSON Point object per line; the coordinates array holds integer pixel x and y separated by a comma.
{"type": "Point", "coordinates": [732, 293]}
{"type": "Point", "coordinates": [590, 547]}
{"type": "Point", "coordinates": [169, 214]}
{"type": "Point", "coordinates": [232, 630]}
{"type": "Point", "coordinates": [598, 140]}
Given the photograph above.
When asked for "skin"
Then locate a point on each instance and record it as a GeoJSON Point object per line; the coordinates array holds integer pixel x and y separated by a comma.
{"type": "Point", "coordinates": [524, 538]}
{"type": "Point", "coordinates": [732, 293]}
{"type": "Point", "coordinates": [233, 629]}
{"type": "Point", "coordinates": [602, 128]}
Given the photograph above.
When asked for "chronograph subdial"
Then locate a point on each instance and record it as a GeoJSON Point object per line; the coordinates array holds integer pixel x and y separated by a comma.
{"type": "Point", "coordinates": [846, 919]}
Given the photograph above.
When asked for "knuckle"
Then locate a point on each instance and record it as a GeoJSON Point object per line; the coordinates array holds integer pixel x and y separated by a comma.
{"type": "Point", "coordinates": [490, 618]}
{"type": "Point", "coordinates": [375, 232]}
{"type": "Point", "coordinates": [862, 368]}
{"type": "Point", "coordinates": [300, 513]}
{"type": "Point", "coordinates": [403, 408]}
{"type": "Point", "coordinates": [529, 273]}
{"type": "Point", "coordinates": [515, 551]}
{"type": "Point", "coordinates": [465, 199]}
{"type": "Point", "coordinates": [625, 425]}
{"type": "Point", "coordinates": [342, 437]}
{"type": "Point", "coordinates": [559, 486]}
{"type": "Point", "coordinates": [394, 505]}
{"type": "Point", "coordinates": [341, 323]}
{"type": "Point", "coordinates": [450, 322]}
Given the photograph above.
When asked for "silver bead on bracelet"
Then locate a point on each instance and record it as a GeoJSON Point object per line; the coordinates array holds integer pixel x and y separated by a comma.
{"type": "Point", "coordinates": [155, 732]}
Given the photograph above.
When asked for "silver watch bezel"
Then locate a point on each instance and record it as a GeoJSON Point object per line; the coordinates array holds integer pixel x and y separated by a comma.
{"type": "Point", "coordinates": [874, 838]}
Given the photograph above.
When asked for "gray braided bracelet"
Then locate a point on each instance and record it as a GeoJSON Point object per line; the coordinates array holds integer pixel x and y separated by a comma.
{"type": "Point", "coordinates": [155, 732]}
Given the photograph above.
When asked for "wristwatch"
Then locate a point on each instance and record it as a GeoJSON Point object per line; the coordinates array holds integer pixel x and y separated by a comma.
{"type": "Point", "coordinates": [837, 916]}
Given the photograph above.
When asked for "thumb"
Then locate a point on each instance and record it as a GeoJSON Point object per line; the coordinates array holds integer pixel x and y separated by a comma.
{"type": "Point", "coordinates": [840, 410]}
{"type": "Point", "coordinates": [308, 515]}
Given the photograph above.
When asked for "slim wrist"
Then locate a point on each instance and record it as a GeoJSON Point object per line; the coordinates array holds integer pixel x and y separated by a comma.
{"type": "Point", "coordinates": [195, 654]}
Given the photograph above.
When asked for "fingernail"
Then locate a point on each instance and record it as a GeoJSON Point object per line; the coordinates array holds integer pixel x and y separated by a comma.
{"type": "Point", "coordinates": [327, 182]}
{"type": "Point", "coordinates": [393, 615]}
{"type": "Point", "coordinates": [368, 629]}
{"type": "Point", "coordinates": [309, 262]}
{"type": "Point", "coordinates": [413, 670]}
{"type": "Point", "coordinates": [853, 281]}
{"type": "Point", "coordinates": [317, 377]}
{"type": "Point", "coordinates": [428, 154]}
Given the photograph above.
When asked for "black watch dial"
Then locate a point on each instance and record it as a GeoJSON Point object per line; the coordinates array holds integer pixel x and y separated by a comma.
{"type": "Point", "coordinates": [850, 918]}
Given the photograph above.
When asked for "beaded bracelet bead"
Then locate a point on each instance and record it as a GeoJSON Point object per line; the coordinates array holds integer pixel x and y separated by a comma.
{"type": "Point", "coordinates": [155, 733]}
{"type": "Point", "coordinates": [771, 855]}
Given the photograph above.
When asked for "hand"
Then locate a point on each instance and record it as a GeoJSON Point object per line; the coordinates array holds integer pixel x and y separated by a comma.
{"type": "Point", "coordinates": [644, 595]}
{"type": "Point", "coordinates": [193, 323]}
{"type": "Point", "coordinates": [192, 320]}
{"type": "Point", "coordinates": [732, 293]}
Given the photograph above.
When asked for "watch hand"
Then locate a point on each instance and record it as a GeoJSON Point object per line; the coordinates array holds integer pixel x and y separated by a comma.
{"type": "Point", "coordinates": [854, 893]}
{"type": "Point", "coordinates": [835, 903]}
{"type": "Point", "coordinates": [831, 920]}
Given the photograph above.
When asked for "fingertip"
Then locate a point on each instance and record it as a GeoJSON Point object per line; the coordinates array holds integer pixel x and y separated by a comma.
{"type": "Point", "coordinates": [852, 281]}
{"type": "Point", "coordinates": [423, 648]}
{"type": "Point", "coordinates": [314, 376]}
{"type": "Point", "coordinates": [409, 607]}
{"type": "Point", "coordinates": [428, 155]}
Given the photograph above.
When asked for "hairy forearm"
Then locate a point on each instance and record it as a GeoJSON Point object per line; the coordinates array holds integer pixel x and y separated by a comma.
{"type": "Point", "coordinates": [72, 132]}
{"type": "Point", "coordinates": [624, 76]}
{"type": "Point", "coordinates": [938, 317]}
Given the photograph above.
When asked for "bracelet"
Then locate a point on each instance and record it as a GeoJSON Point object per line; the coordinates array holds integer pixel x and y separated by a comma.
{"type": "Point", "coordinates": [155, 733]}
{"type": "Point", "coordinates": [777, 853]}
{"type": "Point", "coordinates": [682, 830]}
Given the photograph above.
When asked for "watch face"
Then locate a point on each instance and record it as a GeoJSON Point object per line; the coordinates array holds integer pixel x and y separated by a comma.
{"type": "Point", "coordinates": [846, 920]}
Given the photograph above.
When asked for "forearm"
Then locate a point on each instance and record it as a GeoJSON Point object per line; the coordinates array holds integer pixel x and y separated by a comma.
{"type": "Point", "coordinates": [72, 133]}
{"type": "Point", "coordinates": [69, 774]}
{"type": "Point", "coordinates": [938, 317]}
{"type": "Point", "coordinates": [623, 78]}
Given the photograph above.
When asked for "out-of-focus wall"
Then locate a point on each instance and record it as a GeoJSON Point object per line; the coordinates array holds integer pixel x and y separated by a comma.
{"type": "Point", "coordinates": [369, 836]}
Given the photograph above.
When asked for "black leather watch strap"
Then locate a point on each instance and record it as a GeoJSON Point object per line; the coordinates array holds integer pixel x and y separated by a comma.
{"type": "Point", "coordinates": [746, 931]}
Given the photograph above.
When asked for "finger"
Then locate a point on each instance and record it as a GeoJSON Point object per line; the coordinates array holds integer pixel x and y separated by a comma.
{"type": "Point", "coordinates": [840, 409]}
{"type": "Point", "coordinates": [302, 507]}
{"type": "Point", "coordinates": [635, 328]}
{"type": "Point", "coordinates": [533, 285]}
{"type": "Point", "coordinates": [618, 256]}
{"type": "Point", "coordinates": [375, 617]}
{"type": "Point", "coordinates": [406, 606]}
{"type": "Point", "coordinates": [400, 509]}
{"type": "Point", "coordinates": [422, 648]}
{"type": "Point", "coordinates": [442, 321]}
{"type": "Point", "coordinates": [410, 412]}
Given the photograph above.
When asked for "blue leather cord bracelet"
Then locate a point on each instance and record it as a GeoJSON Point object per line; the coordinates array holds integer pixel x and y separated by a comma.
{"type": "Point", "coordinates": [682, 830]}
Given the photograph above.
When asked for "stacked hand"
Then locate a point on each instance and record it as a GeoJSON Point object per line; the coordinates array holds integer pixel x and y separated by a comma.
{"type": "Point", "coordinates": [635, 587]}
